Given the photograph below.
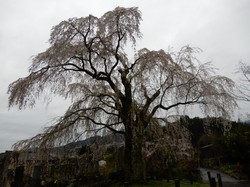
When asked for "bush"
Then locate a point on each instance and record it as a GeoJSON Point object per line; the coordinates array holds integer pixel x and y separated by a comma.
{"type": "Point", "coordinates": [187, 170]}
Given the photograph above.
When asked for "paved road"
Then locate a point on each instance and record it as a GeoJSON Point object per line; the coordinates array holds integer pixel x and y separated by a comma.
{"type": "Point", "coordinates": [226, 179]}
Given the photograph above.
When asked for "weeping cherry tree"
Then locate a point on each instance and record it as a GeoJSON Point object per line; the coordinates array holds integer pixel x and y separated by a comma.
{"type": "Point", "coordinates": [88, 63]}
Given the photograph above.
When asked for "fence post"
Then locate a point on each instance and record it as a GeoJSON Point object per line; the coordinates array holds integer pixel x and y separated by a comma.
{"type": "Point", "coordinates": [212, 182]}
{"type": "Point", "coordinates": [209, 176]}
{"type": "Point", "coordinates": [36, 176]}
{"type": "Point", "coordinates": [19, 176]}
{"type": "Point", "coordinates": [219, 180]}
{"type": "Point", "coordinates": [191, 177]}
{"type": "Point", "coordinates": [177, 182]}
{"type": "Point", "coordinates": [167, 172]}
{"type": "Point", "coordinates": [126, 184]}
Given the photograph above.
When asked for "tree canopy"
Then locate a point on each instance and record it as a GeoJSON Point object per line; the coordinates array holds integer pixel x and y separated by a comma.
{"type": "Point", "coordinates": [87, 62]}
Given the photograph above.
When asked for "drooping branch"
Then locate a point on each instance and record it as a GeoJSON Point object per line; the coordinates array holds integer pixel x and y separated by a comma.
{"type": "Point", "coordinates": [20, 89]}
{"type": "Point", "coordinates": [108, 126]}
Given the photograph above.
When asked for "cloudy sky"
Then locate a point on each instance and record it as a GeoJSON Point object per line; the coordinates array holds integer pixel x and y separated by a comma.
{"type": "Point", "coordinates": [221, 28]}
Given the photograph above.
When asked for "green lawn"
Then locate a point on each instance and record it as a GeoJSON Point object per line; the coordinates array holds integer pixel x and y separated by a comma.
{"type": "Point", "coordinates": [164, 184]}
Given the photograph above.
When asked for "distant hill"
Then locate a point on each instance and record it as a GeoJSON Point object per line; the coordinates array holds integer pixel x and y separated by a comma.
{"type": "Point", "coordinates": [247, 122]}
{"type": "Point", "coordinates": [100, 140]}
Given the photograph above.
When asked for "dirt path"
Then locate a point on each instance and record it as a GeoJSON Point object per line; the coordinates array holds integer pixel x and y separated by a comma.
{"type": "Point", "coordinates": [226, 179]}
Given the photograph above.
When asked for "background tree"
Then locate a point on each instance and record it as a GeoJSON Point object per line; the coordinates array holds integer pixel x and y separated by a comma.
{"type": "Point", "coordinates": [233, 149]}
{"type": "Point", "coordinates": [87, 62]}
{"type": "Point", "coordinates": [196, 128]}
{"type": "Point", "coordinates": [244, 70]}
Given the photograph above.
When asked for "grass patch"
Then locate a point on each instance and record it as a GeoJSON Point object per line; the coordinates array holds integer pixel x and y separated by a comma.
{"type": "Point", "coordinates": [231, 170]}
{"type": "Point", "coordinates": [162, 183]}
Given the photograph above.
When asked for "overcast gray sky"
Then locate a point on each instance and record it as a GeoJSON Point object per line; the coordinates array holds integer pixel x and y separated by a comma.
{"type": "Point", "coordinates": [221, 28]}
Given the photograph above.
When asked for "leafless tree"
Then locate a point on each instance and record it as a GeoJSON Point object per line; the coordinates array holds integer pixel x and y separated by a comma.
{"type": "Point", "coordinates": [87, 62]}
{"type": "Point", "coordinates": [244, 93]}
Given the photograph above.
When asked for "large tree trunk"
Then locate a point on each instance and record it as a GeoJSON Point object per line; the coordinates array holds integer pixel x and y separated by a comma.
{"type": "Point", "coordinates": [134, 157]}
